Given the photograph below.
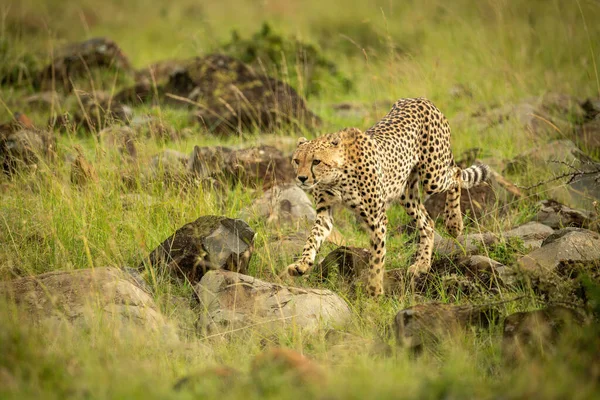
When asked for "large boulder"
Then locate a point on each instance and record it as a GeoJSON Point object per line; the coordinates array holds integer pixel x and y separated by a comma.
{"type": "Point", "coordinates": [228, 95]}
{"type": "Point", "coordinates": [232, 302]}
{"type": "Point", "coordinates": [563, 246]}
{"type": "Point", "coordinates": [79, 60]}
{"type": "Point", "coordinates": [86, 296]}
{"type": "Point", "coordinates": [208, 243]}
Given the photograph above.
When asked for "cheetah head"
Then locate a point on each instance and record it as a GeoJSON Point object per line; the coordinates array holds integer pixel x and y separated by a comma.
{"type": "Point", "coordinates": [319, 161]}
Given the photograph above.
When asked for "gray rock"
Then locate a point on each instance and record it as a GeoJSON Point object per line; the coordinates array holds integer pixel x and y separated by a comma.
{"type": "Point", "coordinates": [464, 244]}
{"type": "Point", "coordinates": [78, 59]}
{"type": "Point", "coordinates": [532, 234]}
{"type": "Point", "coordinates": [424, 324]}
{"type": "Point", "coordinates": [82, 297]}
{"type": "Point", "coordinates": [233, 302]}
{"type": "Point", "coordinates": [557, 215]}
{"type": "Point", "coordinates": [282, 205]}
{"type": "Point", "coordinates": [564, 246]}
{"type": "Point", "coordinates": [210, 242]}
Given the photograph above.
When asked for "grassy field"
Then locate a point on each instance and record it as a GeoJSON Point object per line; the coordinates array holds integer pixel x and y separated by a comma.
{"type": "Point", "coordinates": [500, 51]}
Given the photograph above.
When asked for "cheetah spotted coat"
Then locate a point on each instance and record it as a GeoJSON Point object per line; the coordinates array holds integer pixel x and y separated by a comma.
{"type": "Point", "coordinates": [408, 148]}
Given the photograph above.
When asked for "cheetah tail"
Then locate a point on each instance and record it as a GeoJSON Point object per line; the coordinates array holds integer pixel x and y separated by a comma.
{"type": "Point", "coordinates": [474, 175]}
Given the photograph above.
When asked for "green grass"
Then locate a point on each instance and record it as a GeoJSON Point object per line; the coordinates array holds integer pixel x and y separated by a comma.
{"type": "Point", "coordinates": [502, 51]}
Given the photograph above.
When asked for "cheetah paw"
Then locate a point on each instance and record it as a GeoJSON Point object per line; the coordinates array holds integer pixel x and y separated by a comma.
{"type": "Point", "coordinates": [297, 269]}
{"type": "Point", "coordinates": [418, 268]}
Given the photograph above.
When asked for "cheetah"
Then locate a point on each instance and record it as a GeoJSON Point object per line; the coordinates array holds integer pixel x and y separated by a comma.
{"type": "Point", "coordinates": [407, 149]}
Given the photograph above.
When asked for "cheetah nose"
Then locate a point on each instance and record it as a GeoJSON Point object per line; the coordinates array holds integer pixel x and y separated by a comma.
{"type": "Point", "coordinates": [302, 179]}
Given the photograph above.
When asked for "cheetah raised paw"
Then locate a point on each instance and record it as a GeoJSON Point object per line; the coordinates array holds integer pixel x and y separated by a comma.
{"type": "Point", "coordinates": [297, 269]}
{"type": "Point", "coordinates": [419, 268]}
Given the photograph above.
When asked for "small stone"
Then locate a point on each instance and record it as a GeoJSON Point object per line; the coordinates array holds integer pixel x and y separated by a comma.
{"type": "Point", "coordinates": [557, 216]}
{"type": "Point", "coordinates": [532, 234]}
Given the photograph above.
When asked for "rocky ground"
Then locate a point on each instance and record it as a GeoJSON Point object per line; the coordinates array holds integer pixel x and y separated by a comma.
{"type": "Point", "coordinates": [157, 206]}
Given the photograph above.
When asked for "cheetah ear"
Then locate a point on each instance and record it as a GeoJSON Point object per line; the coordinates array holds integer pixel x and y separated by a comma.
{"type": "Point", "coordinates": [335, 140]}
{"type": "Point", "coordinates": [301, 140]}
{"type": "Point", "coordinates": [351, 133]}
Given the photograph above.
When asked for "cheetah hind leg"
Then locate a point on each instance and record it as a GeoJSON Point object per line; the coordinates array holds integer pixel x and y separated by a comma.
{"type": "Point", "coordinates": [452, 214]}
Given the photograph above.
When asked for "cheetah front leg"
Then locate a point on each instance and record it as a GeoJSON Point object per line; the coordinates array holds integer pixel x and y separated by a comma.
{"type": "Point", "coordinates": [319, 232]}
{"type": "Point", "coordinates": [373, 217]}
{"type": "Point", "coordinates": [416, 209]}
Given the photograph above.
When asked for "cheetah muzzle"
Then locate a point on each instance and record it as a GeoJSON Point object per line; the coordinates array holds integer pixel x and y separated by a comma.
{"type": "Point", "coordinates": [409, 148]}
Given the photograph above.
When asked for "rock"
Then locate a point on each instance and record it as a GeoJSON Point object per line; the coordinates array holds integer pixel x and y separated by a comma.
{"type": "Point", "coordinates": [208, 161]}
{"type": "Point", "coordinates": [79, 60]}
{"type": "Point", "coordinates": [233, 302]}
{"type": "Point", "coordinates": [565, 245]}
{"type": "Point", "coordinates": [259, 166]}
{"type": "Point", "coordinates": [159, 72]}
{"type": "Point", "coordinates": [349, 262]}
{"type": "Point", "coordinates": [480, 200]}
{"type": "Point", "coordinates": [454, 275]}
{"type": "Point", "coordinates": [82, 172]}
{"type": "Point", "coordinates": [464, 244]}
{"type": "Point", "coordinates": [24, 147]}
{"type": "Point", "coordinates": [121, 138]}
{"type": "Point", "coordinates": [424, 324]}
{"type": "Point", "coordinates": [109, 294]}
{"type": "Point", "coordinates": [170, 166]}
{"type": "Point", "coordinates": [561, 158]}
{"type": "Point", "coordinates": [532, 234]}
{"type": "Point", "coordinates": [99, 110]}
{"type": "Point", "coordinates": [534, 332]}
{"type": "Point", "coordinates": [288, 364]}
{"type": "Point", "coordinates": [232, 96]}
{"type": "Point", "coordinates": [283, 205]}
{"type": "Point", "coordinates": [210, 242]}
{"type": "Point", "coordinates": [557, 215]}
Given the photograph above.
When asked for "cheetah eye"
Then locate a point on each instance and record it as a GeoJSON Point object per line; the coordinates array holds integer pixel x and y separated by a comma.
{"type": "Point", "coordinates": [316, 162]}
{"type": "Point", "coordinates": [296, 161]}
